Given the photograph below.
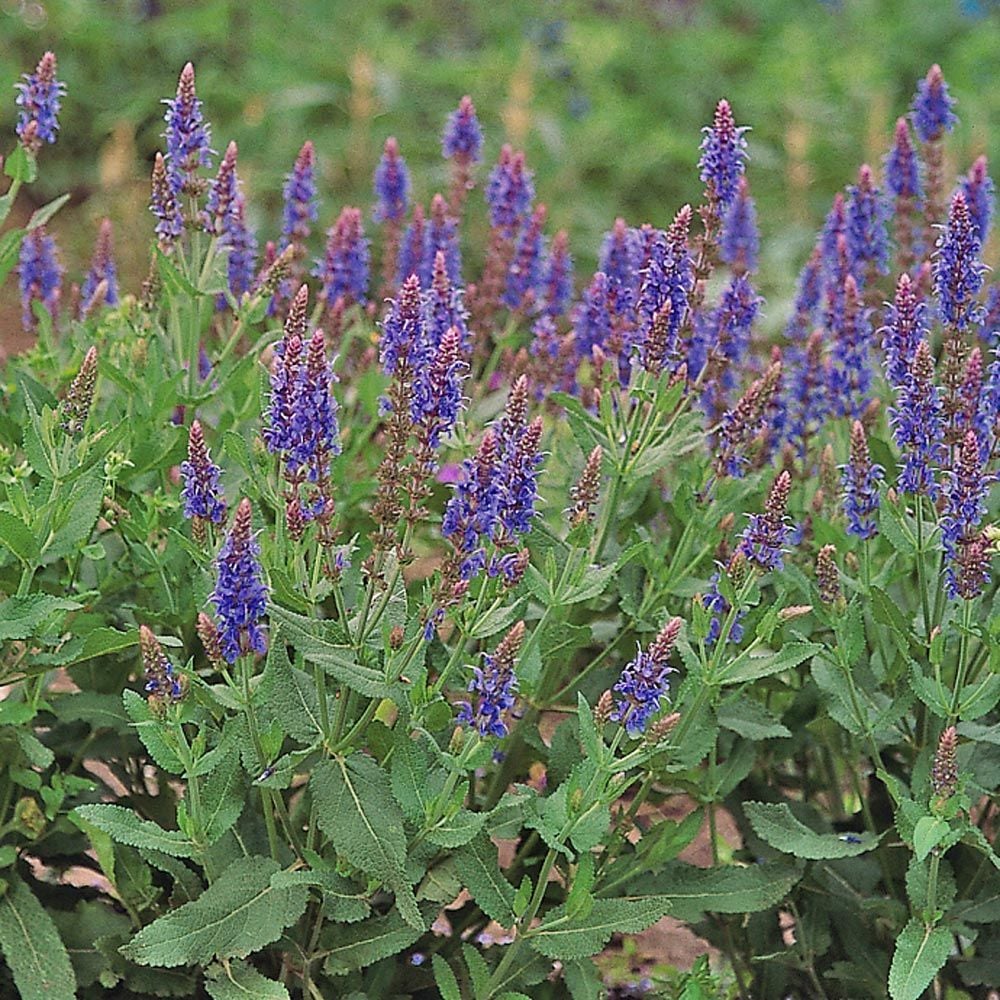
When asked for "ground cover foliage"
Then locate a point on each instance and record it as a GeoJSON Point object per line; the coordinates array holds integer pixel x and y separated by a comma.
{"type": "Point", "coordinates": [366, 593]}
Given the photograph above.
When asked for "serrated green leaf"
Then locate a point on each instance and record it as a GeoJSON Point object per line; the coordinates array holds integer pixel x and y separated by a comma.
{"type": "Point", "coordinates": [775, 824]}
{"type": "Point", "coordinates": [150, 731]}
{"type": "Point", "coordinates": [592, 585]}
{"type": "Point", "coordinates": [409, 770]}
{"type": "Point", "coordinates": [567, 938]}
{"type": "Point", "coordinates": [730, 889]}
{"type": "Point", "coordinates": [239, 913]}
{"type": "Point", "coordinates": [18, 537]}
{"type": "Point", "coordinates": [75, 521]}
{"type": "Point", "coordinates": [291, 695]}
{"type": "Point", "coordinates": [224, 794]}
{"type": "Point", "coordinates": [447, 984]}
{"type": "Point", "coordinates": [751, 667]}
{"type": "Point", "coordinates": [21, 616]}
{"type": "Point", "coordinates": [37, 450]}
{"type": "Point", "coordinates": [456, 830]}
{"type": "Point", "coordinates": [30, 942]}
{"type": "Point", "coordinates": [751, 720]}
{"type": "Point", "coordinates": [124, 827]}
{"type": "Point", "coordinates": [479, 870]}
{"type": "Point", "coordinates": [357, 812]}
{"type": "Point", "coordinates": [42, 215]}
{"type": "Point", "coordinates": [927, 834]}
{"type": "Point", "coordinates": [241, 981]}
{"type": "Point", "coordinates": [359, 945]}
{"type": "Point", "coordinates": [342, 901]}
{"type": "Point", "coordinates": [920, 952]}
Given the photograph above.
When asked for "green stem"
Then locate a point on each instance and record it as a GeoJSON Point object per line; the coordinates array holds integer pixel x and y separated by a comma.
{"type": "Point", "coordinates": [963, 662]}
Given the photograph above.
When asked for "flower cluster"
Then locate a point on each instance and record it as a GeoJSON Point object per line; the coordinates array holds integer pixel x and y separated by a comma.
{"type": "Point", "coordinates": [494, 685]}
{"type": "Point", "coordinates": [39, 275]}
{"type": "Point", "coordinates": [202, 496]}
{"type": "Point", "coordinates": [163, 684]}
{"type": "Point", "coordinates": [240, 596]}
{"type": "Point", "coordinates": [860, 480]}
{"type": "Point", "coordinates": [39, 99]}
{"type": "Point", "coordinates": [723, 155]}
{"type": "Point", "coordinates": [644, 683]}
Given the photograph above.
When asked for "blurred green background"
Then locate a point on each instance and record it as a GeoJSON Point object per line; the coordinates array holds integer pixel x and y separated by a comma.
{"type": "Point", "coordinates": [606, 96]}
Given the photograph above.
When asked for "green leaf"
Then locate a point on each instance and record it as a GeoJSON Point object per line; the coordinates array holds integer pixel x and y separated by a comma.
{"type": "Point", "coordinates": [42, 215]}
{"type": "Point", "coordinates": [356, 810]}
{"type": "Point", "coordinates": [37, 448]}
{"type": "Point", "coordinates": [238, 914]}
{"type": "Point", "coordinates": [18, 537]}
{"type": "Point", "coordinates": [456, 830]}
{"type": "Point", "coordinates": [341, 899]}
{"type": "Point", "coordinates": [124, 827]}
{"type": "Point", "coordinates": [477, 867]}
{"type": "Point", "coordinates": [76, 521]}
{"type": "Point", "coordinates": [338, 661]}
{"type": "Point", "coordinates": [730, 889]}
{"type": "Point", "coordinates": [565, 938]}
{"type": "Point", "coordinates": [21, 616]}
{"type": "Point", "coordinates": [592, 585]}
{"type": "Point", "coordinates": [362, 944]}
{"type": "Point", "coordinates": [750, 719]}
{"type": "Point", "coordinates": [447, 984]}
{"type": "Point", "coordinates": [224, 795]}
{"type": "Point", "coordinates": [927, 834]}
{"type": "Point", "coordinates": [409, 771]}
{"type": "Point", "coordinates": [150, 730]}
{"type": "Point", "coordinates": [750, 667]}
{"type": "Point", "coordinates": [35, 954]}
{"type": "Point", "coordinates": [775, 824]}
{"type": "Point", "coordinates": [21, 166]}
{"type": "Point", "coordinates": [920, 952]}
{"type": "Point", "coordinates": [241, 981]}
{"type": "Point", "coordinates": [291, 694]}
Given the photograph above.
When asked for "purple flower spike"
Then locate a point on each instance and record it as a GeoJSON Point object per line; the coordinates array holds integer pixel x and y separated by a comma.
{"type": "Point", "coordinates": [223, 192]}
{"type": "Point", "coordinates": [860, 480]}
{"type": "Point", "coordinates": [917, 422]}
{"type": "Point", "coordinates": [740, 241]}
{"type": "Point", "coordinates": [931, 109]}
{"type": "Point", "coordinates": [621, 257]}
{"type": "Point", "coordinates": [437, 391]}
{"type": "Point", "coordinates": [300, 209]}
{"type": "Point", "coordinates": [444, 307]}
{"type": "Point", "coordinates": [163, 205]}
{"type": "Point", "coordinates": [906, 326]}
{"type": "Point", "coordinates": [404, 338]}
{"type": "Point", "coordinates": [187, 136]}
{"type": "Point", "coordinates": [850, 373]}
{"type": "Point", "coordinates": [102, 269]}
{"type": "Point", "coordinates": [413, 248]}
{"type": "Point", "coordinates": [867, 236]}
{"type": "Point", "coordinates": [38, 100]}
{"type": "Point", "coordinates": [39, 275]}
{"type": "Point", "coordinates": [807, 298]}
{"type": "Point", "coordinates": [441, 237]}
{"type": "Point", "coordinates": [392, 185]}
{"type": "Point", "coordinates": [470, 518]}
{"type": "Point", "coordinates": [203, 499]}
{"type": "Point", "coordinates": [241, 242]}
{"type": "Point", "coordinates": [163, 685]}
{"type": "Point", "coordinates": [240, 597]}
{"type": "Point", "coordinates": [979, 196]}
{"type": "Point", "coordinates": [958, 271]}
{"type": "Point", "coordinates": [966, 570]}
{"type": "Point", "coordinates": [315, 431]}
{"type": "Point", "coordinates": [494, 684]}
{"type": "Point", "coordinates": [644, 683]}
{"type": "Point", "coordinates": [723, 155]}
{"type": "Point", "coordinates": [509, 193]}
{"type": "Point", "coordinates": [463, 138]}
{"type": "Point", "coordinates": [525, 271]}
{"type": "Point", "coordinates": [557, 280]}
{"type": "Point", "coordinates": [592, 319]}
{"type": "Point", "coordinates": [344, 269]}
{"type": "Point", "coordinates": [902, 168]}
{"type": "Point", "coordinates": [286, 371]}
{"type": "Point", "coordinates": [764, 538]}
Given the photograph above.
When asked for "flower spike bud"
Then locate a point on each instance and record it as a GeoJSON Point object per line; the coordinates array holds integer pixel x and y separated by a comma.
{"type": "Point", "coordinates": [38, 101]}
{"type": "Point", "coordinates": [586, 492]}
{"type": "Point", "coordinates": [76, 406]}
{"type": "Point", "coordinates": [979, 193]}
{"type": "Point", "coordinates": [208, 632]}
{"type": "Point", "coordinates": [463, 138]}
{"type": "Point", "coordinates": [392, 185]}
{"type": "Point", "coordinates": [932, 107]}
{"type": "Point", "coordinates": [944, 772]}
{"type": "Point", "coordinates": [828, 576]}
{"type": "Point", "coordinates": [723, 156]}
{"type": "Point", "coordinates": [223, 193]}
{"type": "Point", "coordinates": [860, 481]}
{"type": "Point", "coordinates": [163, 685]}
{"type": "Point", "coordinates": [163, 204]}
{"type": "Point", "coordinates": [765, 537]}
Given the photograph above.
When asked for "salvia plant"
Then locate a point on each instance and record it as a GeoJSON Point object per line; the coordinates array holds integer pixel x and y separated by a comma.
{"type": "Point", "coordinates": [391, 614]}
